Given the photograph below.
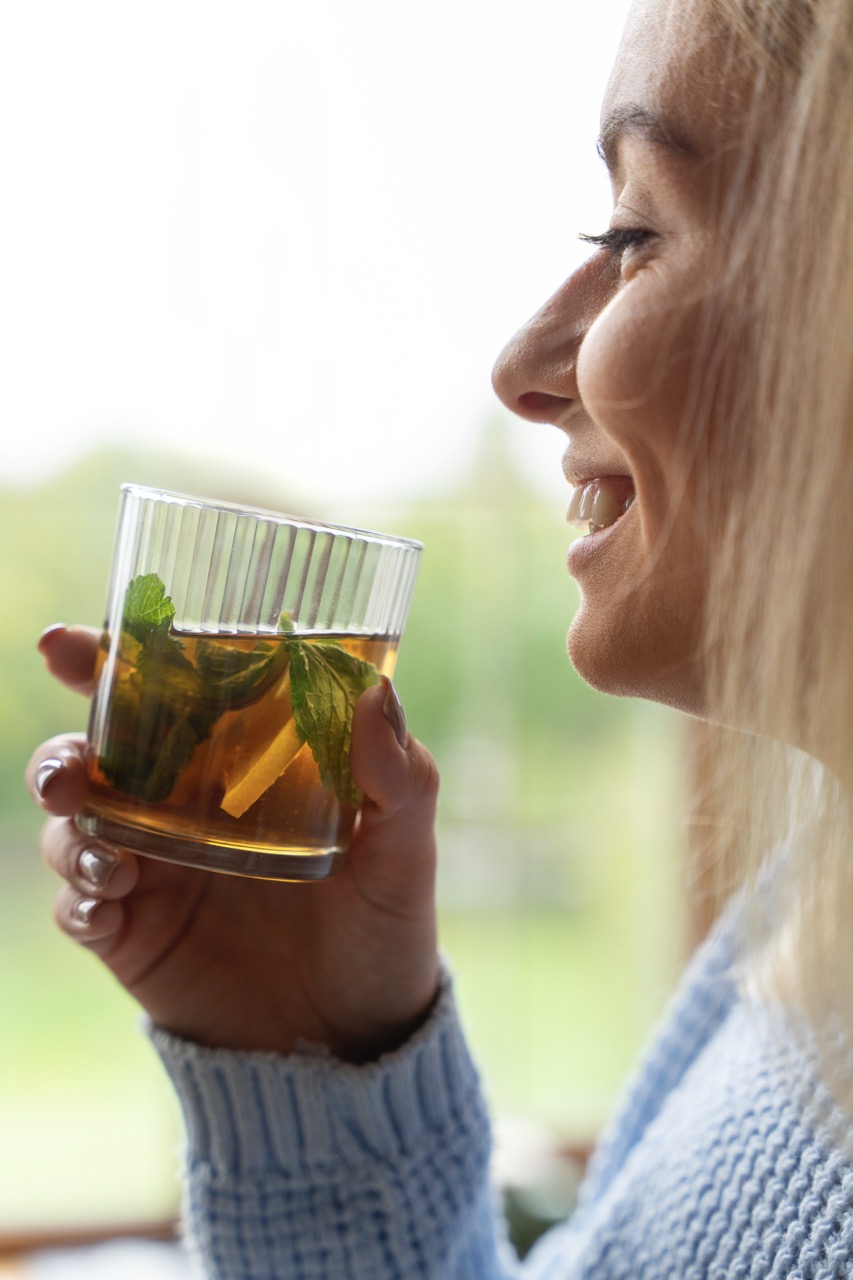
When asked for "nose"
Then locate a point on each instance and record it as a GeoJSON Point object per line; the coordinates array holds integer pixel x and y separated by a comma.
{"type": "Point", "coordinates": [536, 373]}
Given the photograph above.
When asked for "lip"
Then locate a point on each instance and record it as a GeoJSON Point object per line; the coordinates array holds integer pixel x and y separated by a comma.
{"type": "Point", "coordinates": [583, 470]}
{"type": "Point", "coordinates": [585, 549]}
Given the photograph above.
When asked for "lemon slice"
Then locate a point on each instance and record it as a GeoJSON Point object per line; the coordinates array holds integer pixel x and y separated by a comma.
{"type": "Point", "coordinates": [255, 774]}
{"type": "Point", "coordinates": [274, 746]}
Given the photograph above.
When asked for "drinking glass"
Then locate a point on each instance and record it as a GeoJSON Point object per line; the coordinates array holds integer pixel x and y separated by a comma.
{"type": "Point", "coordinates": [236, 643]}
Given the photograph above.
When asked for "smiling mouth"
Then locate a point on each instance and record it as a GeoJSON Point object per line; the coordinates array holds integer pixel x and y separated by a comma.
{"type": "Point", "coordinates": [597, 504]}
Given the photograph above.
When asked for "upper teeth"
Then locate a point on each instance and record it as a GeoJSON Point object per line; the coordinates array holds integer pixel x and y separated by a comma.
{"type": "Point", "coordinates": [594, 506]}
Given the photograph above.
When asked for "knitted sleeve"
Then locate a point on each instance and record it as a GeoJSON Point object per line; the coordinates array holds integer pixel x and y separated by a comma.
{"type": "Point", "coordinates": [302, 1166]}
{"type": "Point", "coordinates": [714, 1168]}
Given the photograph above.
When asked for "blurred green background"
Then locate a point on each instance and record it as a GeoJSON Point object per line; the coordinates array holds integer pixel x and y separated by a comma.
{"type": "Point", "coordinates": [294, 237]}
{"type": "Point", "coordinates": [561, 874]}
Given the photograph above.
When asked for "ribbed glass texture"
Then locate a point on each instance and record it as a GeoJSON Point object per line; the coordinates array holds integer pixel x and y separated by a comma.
{"type": "Point", "coordinates": [236, 570]}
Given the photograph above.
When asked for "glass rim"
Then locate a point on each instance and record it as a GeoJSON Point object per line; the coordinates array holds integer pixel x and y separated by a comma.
{"type": "Point", "coordinates": [264, 513]}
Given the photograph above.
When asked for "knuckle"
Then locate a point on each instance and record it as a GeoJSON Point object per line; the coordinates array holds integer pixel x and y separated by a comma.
{"type": "Point", "coordinates": [61, 846]}
{"type": "Point", "coordinates": [426, 779]}
{"type": "Point", "coordinates": [49, 838]}
{"type": "Point", "coordinates": [62, 909]}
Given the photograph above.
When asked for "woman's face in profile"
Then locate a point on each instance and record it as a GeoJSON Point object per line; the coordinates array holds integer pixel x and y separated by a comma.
{"type": "Point", "coordinates": [612, 358]}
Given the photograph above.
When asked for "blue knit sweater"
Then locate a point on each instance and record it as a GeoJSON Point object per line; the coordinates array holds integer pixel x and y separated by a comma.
{"type": "Point", "coordinates": [303, 1167]}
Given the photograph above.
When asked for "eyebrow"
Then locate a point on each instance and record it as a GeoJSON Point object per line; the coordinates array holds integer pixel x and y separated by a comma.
{"type": "Point", "coordinates": [633, 119]}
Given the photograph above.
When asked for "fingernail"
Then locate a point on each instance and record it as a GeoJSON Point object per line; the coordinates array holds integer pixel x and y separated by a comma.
{"type": "Point", "coordinates": [96, 866]}
{"type": "Point", "coordinates": [83, 910]}
{"type": "Point", "coordinates": [45, 773]}
{"type": "Point", "coordinates": [46, 636]}
{"type": "Point", "coordinates": [394, 713]}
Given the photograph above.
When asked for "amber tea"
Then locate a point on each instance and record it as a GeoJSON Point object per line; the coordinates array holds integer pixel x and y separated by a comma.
{"type": "Point", "coordinates": [241, 742]}
{"type": "Point", "coordinates": [203, 744]}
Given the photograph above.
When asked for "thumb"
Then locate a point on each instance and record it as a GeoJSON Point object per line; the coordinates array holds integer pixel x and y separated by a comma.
{"type": "Point", "coordinates": [392, 769]}
{"type": "Point", "coordinates": [399, 779]}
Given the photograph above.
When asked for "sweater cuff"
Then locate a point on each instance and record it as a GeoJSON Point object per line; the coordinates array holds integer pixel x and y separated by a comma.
{"type": "Point", "coordinates": [248, 1113]}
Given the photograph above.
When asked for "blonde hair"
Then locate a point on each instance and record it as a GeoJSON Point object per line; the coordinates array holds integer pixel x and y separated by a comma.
{"type": "Point", "coordinates": [779, 627]}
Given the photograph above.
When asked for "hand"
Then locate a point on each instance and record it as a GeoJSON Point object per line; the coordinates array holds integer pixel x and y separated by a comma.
{"type": "Point", "coordinates": [228, 961]}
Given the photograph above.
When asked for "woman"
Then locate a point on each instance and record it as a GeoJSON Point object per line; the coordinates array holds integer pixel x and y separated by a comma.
{"type": "Point", "coordinates": [700, 366]}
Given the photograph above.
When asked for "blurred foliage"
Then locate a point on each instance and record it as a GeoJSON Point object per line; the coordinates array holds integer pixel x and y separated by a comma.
{"type": "Point", "coordinates": [560, 874]}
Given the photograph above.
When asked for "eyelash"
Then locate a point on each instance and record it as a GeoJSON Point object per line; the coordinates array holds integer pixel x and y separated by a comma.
{"type": "Point", "coordinates": [618, 240]}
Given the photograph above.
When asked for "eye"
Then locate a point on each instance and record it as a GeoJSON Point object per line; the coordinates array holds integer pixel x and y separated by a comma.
{"type": "Point", "coordinates": [618, 241]}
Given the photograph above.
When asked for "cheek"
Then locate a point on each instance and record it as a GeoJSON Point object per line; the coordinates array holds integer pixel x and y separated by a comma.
{"type": "Point", "coordinates": [635, 357]}
{"type": "Point", "coordinates": [611, 361]}
{"type": "Point", "coordinates": [638, 629]}
{"type": "Point", "coordinates": [636, 371]}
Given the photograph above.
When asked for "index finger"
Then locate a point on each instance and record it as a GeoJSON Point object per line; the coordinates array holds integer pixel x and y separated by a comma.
{"type": "Point", "coordinates": [70, 654]}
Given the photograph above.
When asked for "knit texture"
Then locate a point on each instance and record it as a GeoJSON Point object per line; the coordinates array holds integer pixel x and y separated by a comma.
{"type": "Point", "coordinates": [305, 1167]}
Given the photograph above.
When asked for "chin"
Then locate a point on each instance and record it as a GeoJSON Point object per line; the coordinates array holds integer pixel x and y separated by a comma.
{"type": "Point", "coordinates": [625, 662]}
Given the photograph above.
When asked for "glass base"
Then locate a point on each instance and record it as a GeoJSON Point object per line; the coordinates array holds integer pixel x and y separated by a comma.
{"type": "Point", "coordinates": [312, 864]}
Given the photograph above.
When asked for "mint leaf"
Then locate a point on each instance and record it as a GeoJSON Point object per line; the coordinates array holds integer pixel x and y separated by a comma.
{"type": "Point", "coordinates": [146, 607]}
{"type": "Point", "coordinates": [325, 683]}
{"type": "Point", "coordinates": [235, 677]}
{"type": "Point", "coordinates": [152, 731]}
{"type": "Point", "coordinates": [172, 755]}
{"type": "Point", "coordinates": [147, 618]}
{"type": "Point", "coordinates": [150, 736]}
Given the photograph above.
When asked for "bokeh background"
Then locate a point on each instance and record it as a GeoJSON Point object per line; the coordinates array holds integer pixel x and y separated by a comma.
{"type": "Point", "coordinates": [268, 252]}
